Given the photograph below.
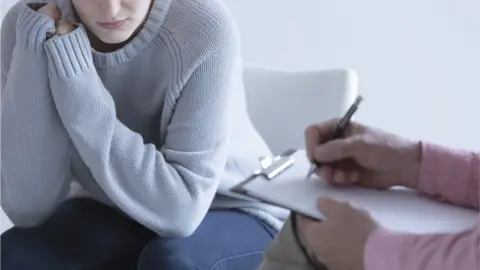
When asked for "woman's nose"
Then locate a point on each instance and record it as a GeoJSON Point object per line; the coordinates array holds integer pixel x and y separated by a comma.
{"type": "Point", "coordinates": [110, 9]}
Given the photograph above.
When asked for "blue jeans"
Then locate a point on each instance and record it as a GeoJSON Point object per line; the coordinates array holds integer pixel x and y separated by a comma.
{"type": "Point", "coordinates": [84, 234]}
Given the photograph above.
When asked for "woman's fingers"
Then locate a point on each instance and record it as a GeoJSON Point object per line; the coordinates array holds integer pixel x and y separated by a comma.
{"type": "Point", "coordinates": [51, 10]}
{"type": "Point", "coordinates": [64, 27]}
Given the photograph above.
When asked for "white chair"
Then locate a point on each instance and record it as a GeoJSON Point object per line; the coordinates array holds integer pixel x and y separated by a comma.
{"type": "Point", "coordinates": [283, 103]}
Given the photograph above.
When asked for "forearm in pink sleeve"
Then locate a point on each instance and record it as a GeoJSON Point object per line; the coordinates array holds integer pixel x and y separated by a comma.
{"type": "Point", "coordinates": [386, 250]}
{"type": "Point", "coordinates": [454, 175]}
{"type": "Point", "coordinates": [451, 174]}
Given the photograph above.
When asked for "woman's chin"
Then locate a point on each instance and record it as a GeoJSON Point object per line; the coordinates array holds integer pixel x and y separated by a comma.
{"type": "Point", "coordinates": [111, 37]}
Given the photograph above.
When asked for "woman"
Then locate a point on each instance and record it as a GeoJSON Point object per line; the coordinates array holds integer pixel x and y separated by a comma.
{"type": "Point", "coordinates": [349, 238]}
{"type": "Point", "coordinates": [141, 103]}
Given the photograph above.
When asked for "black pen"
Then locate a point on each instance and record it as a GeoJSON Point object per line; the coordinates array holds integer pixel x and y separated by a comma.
{"type": "Point", "coordinates": [339, 129]}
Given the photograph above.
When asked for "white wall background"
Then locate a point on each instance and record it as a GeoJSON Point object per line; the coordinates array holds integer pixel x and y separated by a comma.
{"type": "Point", "coordinates": [418, 60]}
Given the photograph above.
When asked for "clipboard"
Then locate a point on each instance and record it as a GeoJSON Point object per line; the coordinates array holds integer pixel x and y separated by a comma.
{"type": "Point", "coordinates": [271, 169]}
{"type": "Point", "coordinates": [281, 182]}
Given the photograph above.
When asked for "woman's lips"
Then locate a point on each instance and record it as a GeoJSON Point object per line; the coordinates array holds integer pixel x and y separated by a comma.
{"type": "Point", "coordinates": [112, 25]}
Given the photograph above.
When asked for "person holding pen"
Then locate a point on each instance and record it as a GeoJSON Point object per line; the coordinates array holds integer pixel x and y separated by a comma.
{"type": "Point", "coordinates": [349, 238]}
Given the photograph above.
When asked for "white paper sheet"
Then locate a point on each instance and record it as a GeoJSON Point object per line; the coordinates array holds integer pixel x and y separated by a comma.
{"type": "Point", "coordinates": [397, 209]}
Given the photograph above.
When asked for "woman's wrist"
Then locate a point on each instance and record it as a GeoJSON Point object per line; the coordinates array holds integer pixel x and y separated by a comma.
{"type": "Point", "coordinates": [69, 54]}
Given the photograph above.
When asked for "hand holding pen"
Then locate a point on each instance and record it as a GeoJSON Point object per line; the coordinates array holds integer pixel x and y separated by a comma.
{"type": "Point", "coordinates": [338, 131]}
{"type": "Point", "coordinates": [347, 153]}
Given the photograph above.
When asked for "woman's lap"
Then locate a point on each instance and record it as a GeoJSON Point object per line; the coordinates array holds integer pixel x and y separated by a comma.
{"type": "Point", "coordinates": [84, 234]}
{"type": "Point", "coordinates": [225, 240]}
{"type": "Point", "coordinates": [81, 234]}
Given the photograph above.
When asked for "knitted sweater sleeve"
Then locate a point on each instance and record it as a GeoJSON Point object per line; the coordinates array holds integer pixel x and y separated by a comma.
{"type": "Point", "coordinates": [170, 189]}
{"type": "Point", "coordinates": [35, 172]}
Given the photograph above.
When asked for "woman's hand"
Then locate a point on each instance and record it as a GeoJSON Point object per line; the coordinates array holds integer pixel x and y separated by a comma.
{"type": "Point", "coordinates": [63, 26]}
{"type": "Point", "coordinates": [339, 241]}
{"type": "Point", "coordinates": [364, 156]}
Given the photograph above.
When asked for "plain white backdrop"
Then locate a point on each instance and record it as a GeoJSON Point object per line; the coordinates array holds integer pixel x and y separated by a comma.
{"type": "Point", "coordinates": [418, 60]}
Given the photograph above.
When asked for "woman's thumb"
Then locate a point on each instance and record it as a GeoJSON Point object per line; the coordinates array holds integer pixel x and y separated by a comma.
{"type": "Point", "coordinates": [64, 27]}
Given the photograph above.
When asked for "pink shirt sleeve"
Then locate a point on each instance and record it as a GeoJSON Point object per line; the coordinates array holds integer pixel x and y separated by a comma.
{"type": "Point", "coordinates": [451, 174]}
{"type": "Point", "coordinates": [454, 175]}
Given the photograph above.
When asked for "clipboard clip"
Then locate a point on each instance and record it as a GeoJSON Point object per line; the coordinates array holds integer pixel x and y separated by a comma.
{"type": "Point", "coordinates": [270, 167]}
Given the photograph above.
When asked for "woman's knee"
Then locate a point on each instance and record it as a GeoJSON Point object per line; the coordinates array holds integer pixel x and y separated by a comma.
{"type": "Point", "coordinates": [224, 240]}
{"type": "Point", "coordinates": [18, 253]}
{"type": "Point", "coordinates": [80, 234]}
{"type": "Point", "coordinates": [9, 255]}
{"type": "Point", "coordinates": [184, 254]}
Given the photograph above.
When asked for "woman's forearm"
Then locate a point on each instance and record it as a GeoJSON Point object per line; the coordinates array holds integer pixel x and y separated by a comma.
{"type": "Point", "coordinates": [169, 189]}
{"type": "Point", "coordinates": [35, 147]}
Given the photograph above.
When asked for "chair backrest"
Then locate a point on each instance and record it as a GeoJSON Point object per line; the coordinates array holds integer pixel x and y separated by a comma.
{"type": "Point", "coordinates": [282, 104]}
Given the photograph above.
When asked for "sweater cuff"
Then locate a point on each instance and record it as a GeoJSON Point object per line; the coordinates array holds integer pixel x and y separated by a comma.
{"type": "Point", "coordinates": [69, 54]}
{"type": "Point", "coordinates": [385, 250]}
{"type": "Point", "coordinates": [33, 27]}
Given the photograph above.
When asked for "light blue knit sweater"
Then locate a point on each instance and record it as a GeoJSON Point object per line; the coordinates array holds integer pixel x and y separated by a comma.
{"type": "Point", "coordinates": [158, 129]}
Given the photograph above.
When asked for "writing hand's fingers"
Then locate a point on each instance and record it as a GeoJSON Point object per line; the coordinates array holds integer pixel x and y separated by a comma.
{"type": "Point", "coordinates": [326, 173]}
{"type": "Point", "coordinates": [339, 177]}
{"type": "Point", "coordinates": [337, 150]}
{"type": "Point", "coordinates": [353, 177]}
{"type": "Point", "coordinates": [51, 10]}
{"type": "Point", "coordinates": [317, 134]}
{"type": "Point", "coordinates": [343, 177]}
